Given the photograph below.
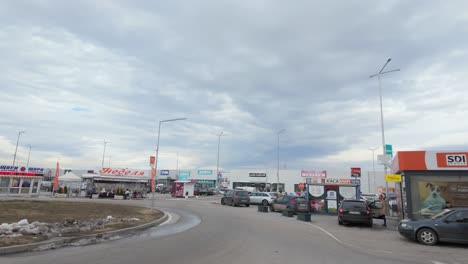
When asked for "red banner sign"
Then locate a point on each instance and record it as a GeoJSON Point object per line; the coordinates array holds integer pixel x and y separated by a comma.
{"type": "Point", "coordinates": [152, 160]}
{"type": "Point", "coordinates": [118, 172]}
{"type": "Point", "coordinates": [13, 173]}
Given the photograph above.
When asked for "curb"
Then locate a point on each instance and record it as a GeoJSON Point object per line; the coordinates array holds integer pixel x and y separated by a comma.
{"type": "Point", "coordinates": [79, 240]}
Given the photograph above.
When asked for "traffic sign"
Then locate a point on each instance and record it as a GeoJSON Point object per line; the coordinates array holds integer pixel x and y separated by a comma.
{"type": "Point", "coordinates": [389, 150]}
{"type": "Point", "coordinates": [356, 172]}
{"type": "Point", "coordinates": [393, 178]}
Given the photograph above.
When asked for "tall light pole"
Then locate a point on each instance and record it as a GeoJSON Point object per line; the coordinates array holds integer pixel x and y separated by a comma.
{"type": "Point", "coordinates": [157, 154]}
{"type": "Point", "coordinates": [278, 156]}
{"type": "Point", "coordinates": [104, 152]}
{"type": "Point", "coordinates": [29, 155]}
{"type": "Point", "coordinates": [373, 167]}
{"type": "Point", "coordinates": [384, 157]}
{"type": "Point", "coordinates": [217, 162]}
{"type": "Point", "coordinates": [16, 149]}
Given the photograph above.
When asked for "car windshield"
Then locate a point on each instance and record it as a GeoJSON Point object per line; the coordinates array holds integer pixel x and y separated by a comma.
{"type": "Point", "coordinates": [441, 214]}
{"type": "Point", "coordinates": [242, 193]}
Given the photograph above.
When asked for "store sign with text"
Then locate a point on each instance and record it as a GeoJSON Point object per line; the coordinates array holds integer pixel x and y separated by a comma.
{"type": "Point", "coordinates": [205, 172]}
{"type": "Point", "coordinates": [356, 172]}
{"type": "Point", "coordinates": [257, 174]}
{"type": "Point", "coordinates": [120, 172]}
{"type": "Point", "coordinates": [164, 172]}
{"type": "Point", "coordinates": [184, 175]}
{"type": "Point", "coordinates": [314, 173]}
{"type": "Point", "coordinates": [452, 160]}
{"type": "Point", "coordinates": [340, 181]}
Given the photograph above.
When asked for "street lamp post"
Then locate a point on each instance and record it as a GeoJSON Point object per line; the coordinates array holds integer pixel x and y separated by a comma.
{"type": "Point", "coordinates": [157, 154]}
{"type": "Point", "coordinates": [278, 160]}
{"type": "Point", "coordinates": [16, 149]}
{"type": "Point", "coordinates": [29, 155]}
{"type": "Point", "coordinates": [384, 157]}
{"type": "Point", "coordinates": [373, 167]}
{"type": "Point", "coordinates": [217, 162]}
{"type": "Point", "coordinates": [104, 152]}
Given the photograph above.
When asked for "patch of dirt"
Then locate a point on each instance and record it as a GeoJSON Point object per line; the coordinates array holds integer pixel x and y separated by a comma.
{"type": "Point", "coordinates": [52, 212]}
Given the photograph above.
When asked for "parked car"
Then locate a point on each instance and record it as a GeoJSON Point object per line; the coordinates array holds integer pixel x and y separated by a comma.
{"type": "Point", "coordinates": [235, 198]}
{"type": "Point", "coordinates": [354, 211]}
{"type": "Point", "coordinates": [450, 225]}
{"type": "Point", "coordinates": [289, 202]}
{"type": "Point", "coordinates": [262, 198]}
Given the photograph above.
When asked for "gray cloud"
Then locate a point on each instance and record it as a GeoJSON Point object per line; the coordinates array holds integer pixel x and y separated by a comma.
{"type": "Point", "coordinates": [74, 73]}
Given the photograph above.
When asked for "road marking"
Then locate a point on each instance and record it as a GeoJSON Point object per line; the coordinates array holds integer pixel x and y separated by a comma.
{"type": "Point", "coordinates": [169, 218]}
{"type": "Point", "coordinates": [347, 244]}
{"type": "Point", "coordinates": [437, 262]}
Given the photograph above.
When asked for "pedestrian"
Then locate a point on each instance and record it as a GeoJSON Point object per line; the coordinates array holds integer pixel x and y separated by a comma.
{"type": "Point", "coordinates": [127, 194]}
{"type": "Point", "coordinates": [383, 201]}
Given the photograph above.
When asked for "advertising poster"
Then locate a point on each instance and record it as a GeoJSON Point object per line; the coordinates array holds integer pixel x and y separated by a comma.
{"type": "Point", "coordinates": [348, 192]}
{"type": "Point", "coordinates": [316, 190]}
{"type": "Point", "coordinates": [332, 206]}
{"type": "Point", "coordinates": [331, 195]}
{"type": "Point", "coordinates": [436, 196]}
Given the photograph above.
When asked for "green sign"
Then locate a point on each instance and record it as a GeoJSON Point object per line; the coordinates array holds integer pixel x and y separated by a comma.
{"type": "Point", "coordinates": [205, 172]}
{"type": "Point", "coordinates": [389, 150]}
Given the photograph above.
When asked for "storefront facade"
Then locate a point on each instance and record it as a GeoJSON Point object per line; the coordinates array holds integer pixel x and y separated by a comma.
{"type": "Point", "coordinates": [431, 181]}
{"type": "Point", "coordinates": [113, 179]}
{"type": "Point", "coordinates": [20, 180]}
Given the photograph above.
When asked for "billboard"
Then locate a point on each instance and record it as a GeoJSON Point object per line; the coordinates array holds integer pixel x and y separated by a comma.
{"type": "Point", "coordinates": [314, 173]}
{"type": "Point", "coordinates": [436, 196]}
{"type": "Point", "coordinates": [184, 175]}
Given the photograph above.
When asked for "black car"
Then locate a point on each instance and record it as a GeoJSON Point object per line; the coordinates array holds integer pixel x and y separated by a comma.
{"type": "Point", "coordinates": [450, 225]}
{"type": "Point", "coordinates": [289, 202]}
{"type": "Point", "coordinates": [354, 211]}
{"type": "Point", "coordinates": [235, 198]}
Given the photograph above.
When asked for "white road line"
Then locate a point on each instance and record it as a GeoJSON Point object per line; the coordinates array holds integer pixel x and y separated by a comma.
{"type": "Point", "coordinates": [347, 244]}
{"type": "Point", "coordinates": [437, 262]}
{"type": "Point", "coordinates": [169, 218]}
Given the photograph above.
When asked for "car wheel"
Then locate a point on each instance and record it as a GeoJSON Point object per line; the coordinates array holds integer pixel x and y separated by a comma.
{"type": "Point", "coordinates": [369, 224]}
{"type": "Point", "coordinates": [247, 205]}
{"type": "Point", "coordinates": [340, 222]}
{"type": "Point", "coordinates": [265, 203]}
{"type": "Point", "coordinates": [427, 237]}
{"type": "Point", "coordinates": [223, 202]}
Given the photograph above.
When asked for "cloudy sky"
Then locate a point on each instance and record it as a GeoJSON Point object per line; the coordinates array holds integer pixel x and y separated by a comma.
{"type": "Point", "coordinates": [73, 73]}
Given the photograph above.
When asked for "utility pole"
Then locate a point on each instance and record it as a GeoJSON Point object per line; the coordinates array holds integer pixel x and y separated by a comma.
{"type": "Point", "coordinates": [278, 159]}
{"type": "Point", "coordinates": [29, 155]}
{"type": "Point", "coordinates": [104, 152]}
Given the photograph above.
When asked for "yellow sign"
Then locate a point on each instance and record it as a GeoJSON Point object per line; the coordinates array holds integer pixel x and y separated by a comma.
{"type": "Point", "coordinates": [393, 178]}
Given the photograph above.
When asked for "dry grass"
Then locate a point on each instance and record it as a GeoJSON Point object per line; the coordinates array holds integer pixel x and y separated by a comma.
{"type": "Point", "coordinates": [56, 211]}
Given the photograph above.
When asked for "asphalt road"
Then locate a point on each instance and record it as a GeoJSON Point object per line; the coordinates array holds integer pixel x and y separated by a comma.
{"type": "Point", "coordinates": [203, 232]}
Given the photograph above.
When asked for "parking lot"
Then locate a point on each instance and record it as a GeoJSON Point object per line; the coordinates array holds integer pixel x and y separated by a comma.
{"type": "Point", "coordinates": [379, 239]}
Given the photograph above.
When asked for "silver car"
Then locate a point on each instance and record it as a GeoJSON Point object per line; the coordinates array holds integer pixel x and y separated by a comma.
{"type": "Point", "coordinates": [263, 198]}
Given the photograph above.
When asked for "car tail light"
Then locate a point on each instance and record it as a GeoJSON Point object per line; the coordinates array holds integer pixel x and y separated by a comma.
{"type": "Point", "coordinates": [236, 196]}
{"type": "Point", "coordinates": [293, 201]}
{"type": "Point", "coordinates": [368, 212]}
{"type": "Point", "coordinates": [340, 211]}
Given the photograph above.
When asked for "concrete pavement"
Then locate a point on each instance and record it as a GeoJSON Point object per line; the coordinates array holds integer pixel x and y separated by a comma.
{"type": "Point", "coordinates": [242, 235]}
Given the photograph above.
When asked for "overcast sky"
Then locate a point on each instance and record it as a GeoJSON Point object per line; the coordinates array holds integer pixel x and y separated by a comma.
{"type": "Point", "coordinates": [73, 73]}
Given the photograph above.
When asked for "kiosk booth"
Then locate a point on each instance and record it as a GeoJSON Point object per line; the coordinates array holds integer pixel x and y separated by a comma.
{"type": "Point", "coordinates": [17, 180]}
{"type": "Point", "coordinates": [326, 194]}
{"type": "Point", "coordinates": [183, 188]}
{"type": "Point", "coordinates": [430, 181]}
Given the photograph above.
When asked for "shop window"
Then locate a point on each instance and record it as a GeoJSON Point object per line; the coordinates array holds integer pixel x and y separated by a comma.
{"type": "Point", "coordinates": [431, 194]}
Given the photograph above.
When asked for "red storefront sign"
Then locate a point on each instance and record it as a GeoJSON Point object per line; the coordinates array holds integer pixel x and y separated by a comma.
{"type": "Point", "coordinates": [118, 172]}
